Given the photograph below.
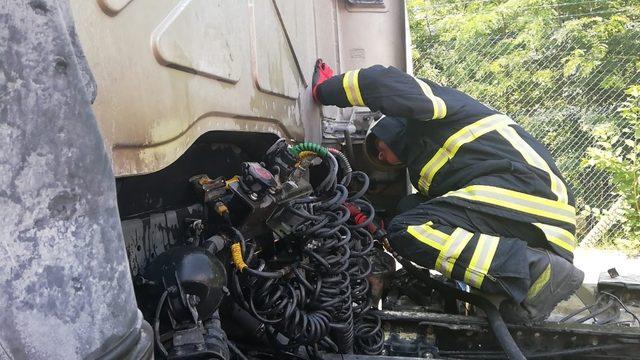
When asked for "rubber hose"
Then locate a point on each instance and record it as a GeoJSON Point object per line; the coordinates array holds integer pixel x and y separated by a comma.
{"type": "Point", "coordinates": [324, 305]}
{"type": "Point", "coordinates": [349, 144]}
{"type": "Point", "coordinates": [156, 324]}
{"type": "Point", "coordinates": [308, 146]}
{"type": "Point", "coordinates": [600, 311]}
{"type": "Point", "coordinates": [329, 183]}
{"type": "Point", "coordinates": [345, 162]}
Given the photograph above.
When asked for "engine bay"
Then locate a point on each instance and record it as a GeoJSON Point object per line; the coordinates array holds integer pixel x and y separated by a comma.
{"type": "Point", "coordinates": [281, 254]}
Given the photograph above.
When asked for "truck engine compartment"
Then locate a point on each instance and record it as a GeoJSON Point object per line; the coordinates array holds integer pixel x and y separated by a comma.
{"type": "Point", "coordinates": [250, 248]}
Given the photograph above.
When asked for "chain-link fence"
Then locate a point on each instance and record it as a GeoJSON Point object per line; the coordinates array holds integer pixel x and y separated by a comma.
{"type": "Point", "coordinates": [560, 68]}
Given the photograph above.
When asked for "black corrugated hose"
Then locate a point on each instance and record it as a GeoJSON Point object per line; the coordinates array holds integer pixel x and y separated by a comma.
{"type": "Point", "coordinates": [322, 301]}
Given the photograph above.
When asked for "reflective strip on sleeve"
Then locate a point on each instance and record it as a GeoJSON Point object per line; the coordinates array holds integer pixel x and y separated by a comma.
{"type": "Point", "coordinates": [481, 260]}
{"type": "Point", "coordinates": [453, 144]}
{"type": "Point", "coordinates": [451, 251]}
{"type": "Point", "coordinates": [534, 159]}
{"type": "Point", "coordinates": [428, 235]}
{"type": "Point", "coordinates": [352, 88]}
{"type": "Point", "coordinates": [439, 107]}
{"type": "Point", "coordinates": [542, 280]}
{"type": "Point", "coordinates": [559, 236]}
{"type": "Point", "coordinates": [356, 86]}
{"type": "Point", "coordinates": [518, 201]}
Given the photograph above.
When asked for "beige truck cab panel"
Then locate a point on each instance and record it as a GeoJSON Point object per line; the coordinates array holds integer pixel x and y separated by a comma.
{"type": "Point", "coordinates": [168, 71]}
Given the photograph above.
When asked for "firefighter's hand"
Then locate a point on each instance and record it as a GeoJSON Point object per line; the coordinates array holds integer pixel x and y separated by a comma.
{"type": "Point", "coordinates": [321, 73]}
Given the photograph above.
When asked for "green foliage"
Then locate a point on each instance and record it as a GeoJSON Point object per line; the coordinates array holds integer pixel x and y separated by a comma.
{"type": "Point", "coordinates": [617, 152]}
{"type": "Point", "coordinates": [559, 67]}
{"type": "Point", "coordinates": [528, 54]}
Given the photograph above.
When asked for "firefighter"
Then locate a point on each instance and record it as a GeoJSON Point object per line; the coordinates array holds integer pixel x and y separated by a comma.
{"type": "Point", "coordinates": [493, 211]}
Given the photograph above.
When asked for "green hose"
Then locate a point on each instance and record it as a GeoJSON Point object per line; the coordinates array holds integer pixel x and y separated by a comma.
{"type": "Point", "coordinates": [307, 146]}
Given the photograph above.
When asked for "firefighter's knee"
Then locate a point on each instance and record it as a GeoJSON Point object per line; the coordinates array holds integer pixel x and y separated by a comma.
{"type": "Point", "coordinates": [395, 227]}
{"type": "Point", "coordinates": [409, 203]}
{"type": "Point", "coordinates": [398, 235]}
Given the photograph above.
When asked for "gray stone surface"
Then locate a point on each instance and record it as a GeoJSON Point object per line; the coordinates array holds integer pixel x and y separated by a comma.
{"type": "Point", "coordinates": [65, 287]}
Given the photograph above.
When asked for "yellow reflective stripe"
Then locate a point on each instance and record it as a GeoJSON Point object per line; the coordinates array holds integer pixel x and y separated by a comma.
{"type": "Point", "coordinates": [453, 144]}
{"type": "Point", "coordinates": [356, 86]}
{"type": "Point", "coordinates": [515, 200]}
{"type": "Point", "coordinates": [452, 249]}
{"type": "Point", "coordinates": [428, 235]}
{"type": "Point", "coordinates": [542, 280]}
{"type": "Point", "coordinates": [352, 88]}
{"type": "Point", "coordinates": [439, 107]}
{"type": "Point", "coordinates": [346, 84]}
{"type": "Point", "coordinates": [481, 260]}
{"type": "Point", "coordinates": [534, 159]}
{"type": "Point", "coordinates": [559, 236]}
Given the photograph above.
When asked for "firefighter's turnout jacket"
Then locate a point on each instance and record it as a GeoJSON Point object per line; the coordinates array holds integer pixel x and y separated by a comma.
{"type": "Point", "coordinates": [489, 188]}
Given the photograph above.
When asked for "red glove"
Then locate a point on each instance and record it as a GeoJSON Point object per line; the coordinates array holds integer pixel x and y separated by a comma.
{"type": "Point", "coordinates": [321, 73]}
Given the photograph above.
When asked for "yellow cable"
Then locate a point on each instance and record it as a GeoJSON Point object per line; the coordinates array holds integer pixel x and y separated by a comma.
{"type": "Point", "coordinates": [221, 209]}
{"type": "Point", "coordinates": [236, 256]}
{"type": "Point", "coordinates": [307, 154]}
{"type": "Point", "coordinates": [236, 178]}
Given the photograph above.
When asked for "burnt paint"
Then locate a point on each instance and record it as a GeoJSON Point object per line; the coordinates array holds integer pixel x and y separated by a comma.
{"type": "Point", "coordinates": [217, 153]}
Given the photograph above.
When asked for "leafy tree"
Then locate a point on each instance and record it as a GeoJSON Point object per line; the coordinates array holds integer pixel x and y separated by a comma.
{"type": "Point", "coordinates": [560, 68]}
{"type": "Point", "coordinates": [618, 153]}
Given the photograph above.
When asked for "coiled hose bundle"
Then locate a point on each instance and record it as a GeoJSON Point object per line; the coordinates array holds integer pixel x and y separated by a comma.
{"type": "Point", "coordinates": [368, 333]}
{"type": "Point", "coordinates": [320, 302]}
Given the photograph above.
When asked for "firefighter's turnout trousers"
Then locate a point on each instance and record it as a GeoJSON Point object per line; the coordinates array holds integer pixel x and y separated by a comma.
{"type": "Point", "coordinates": [482, 250]}
{"type": "Point", "coordinates": [488, 188]}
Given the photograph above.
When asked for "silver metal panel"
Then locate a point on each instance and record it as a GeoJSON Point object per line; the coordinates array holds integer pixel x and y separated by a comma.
{"type": "Point", "coordinates": [299, 19]}
{"type": "Point", "coordinates": [275, 70]}
{"type": "Point", "coordinates": [173, 45]}
{"type": "Point", "coordinates": [168, 70]}
{"type": "Point", "coordinates": [372, 35]}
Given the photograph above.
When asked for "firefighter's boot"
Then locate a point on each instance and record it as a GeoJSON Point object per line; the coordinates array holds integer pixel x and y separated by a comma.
{"type": "Point", "coordinates": [553, 279]}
